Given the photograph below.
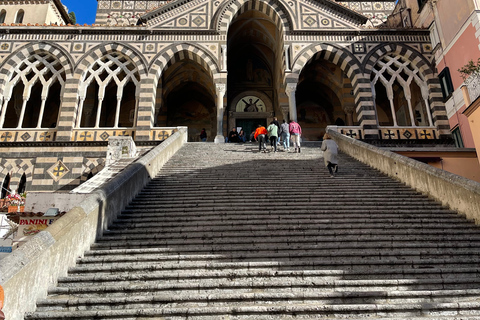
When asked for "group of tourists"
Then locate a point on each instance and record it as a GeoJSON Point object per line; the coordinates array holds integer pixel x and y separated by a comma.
{"type": "Point", "coordinates": [286, 132]}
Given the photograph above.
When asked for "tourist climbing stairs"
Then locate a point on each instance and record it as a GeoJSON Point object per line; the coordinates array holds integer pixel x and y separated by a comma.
{"type": "Point", "coordinates": [227, 232]}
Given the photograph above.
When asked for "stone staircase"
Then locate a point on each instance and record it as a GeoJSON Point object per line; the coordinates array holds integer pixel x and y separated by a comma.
{"type": "Point", "coordinates": [226, 232]}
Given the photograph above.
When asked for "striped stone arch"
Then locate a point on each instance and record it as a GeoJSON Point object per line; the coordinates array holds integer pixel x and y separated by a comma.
{"type": "Point", "coordinates": [16, 168]}
{"type": "Point", "coordinates": [23, 53]}
{"type": "Point", "coordinates": [409, 53]}
{"type": "Point", "coordinates": [352, 68]}
{"type": "Point", "coordinates": [418, 61]}
{"type": "Point", "coordinates": [342, 58]}
{"type": "Point", "coordinates": [182, 51]}
{"type": "Point", "coordinates": [99, 51]}
{"type": "Point", "coordinates": [272, 8]}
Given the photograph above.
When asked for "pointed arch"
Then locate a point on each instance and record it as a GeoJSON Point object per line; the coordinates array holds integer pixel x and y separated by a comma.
{"type": "Point", "coordinates": [176, 52]}
{"type": "Point", "coordinates": [338, 56]}
{"type": "Point", "coordinates": [101, 50]}
{"type": "Point", "coordinates": [109, 73]}
{"type": "Point", "coordinates": [9, 64]}
{"type": "Point", "coordinates": [272, 8]}
{"type": "Point", "coordinates": [33, 72]}
{"type": "Point", "coordinates": [417, 62]}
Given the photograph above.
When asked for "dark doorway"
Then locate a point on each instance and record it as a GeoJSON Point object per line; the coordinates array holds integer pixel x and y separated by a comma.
{"type": "Point", "coordinates": [249, 125]}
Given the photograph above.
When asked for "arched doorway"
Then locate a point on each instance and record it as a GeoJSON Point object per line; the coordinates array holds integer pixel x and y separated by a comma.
{"type": "Point", "coordinates": [186, 97]}
{"type": "Point", "coordinates": [254, 63]}
{"type": "Point", "coordinates": [324, 97]}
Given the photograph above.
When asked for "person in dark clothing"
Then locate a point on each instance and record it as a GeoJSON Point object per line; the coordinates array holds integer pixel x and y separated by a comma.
{"type": "Point", "coordinates": [233, 136]}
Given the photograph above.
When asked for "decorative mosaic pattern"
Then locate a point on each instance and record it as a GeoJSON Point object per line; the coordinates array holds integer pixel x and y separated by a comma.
{"type": "Point", "coordinates": [99, 134]}
{"type": "Point", "coordinates": [27, 135]}
{"type": "Point", "coordinates": [161, 134]}
{"type": "Point", "coordinates": [194, 18]}
{"type": "Point", "coordinates": [408, 134]}
{"type": "Point", "coordinates": [355, 133]}
{"type": "Point", "coordinates": [376, 11]}
{"type": "Point", "coordinates": [58, 170]}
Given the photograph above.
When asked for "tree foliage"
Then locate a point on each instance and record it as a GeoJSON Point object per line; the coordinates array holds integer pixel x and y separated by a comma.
{"type": "Point", "coordinates": [72, 16]}
{"type": "Point", "coordinates": [471, 68]}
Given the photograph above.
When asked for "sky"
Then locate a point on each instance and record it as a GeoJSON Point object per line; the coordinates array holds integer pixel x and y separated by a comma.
{"type": "Point", "coordinates": [85, 10]}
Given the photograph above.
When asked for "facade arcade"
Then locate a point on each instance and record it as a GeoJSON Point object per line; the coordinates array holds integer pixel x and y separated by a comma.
{"type": "Point", "coordinates": [146, 67]}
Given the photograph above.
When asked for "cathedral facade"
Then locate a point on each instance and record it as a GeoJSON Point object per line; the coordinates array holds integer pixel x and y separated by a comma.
{"type": "Point", "coordinates": [147, 67]}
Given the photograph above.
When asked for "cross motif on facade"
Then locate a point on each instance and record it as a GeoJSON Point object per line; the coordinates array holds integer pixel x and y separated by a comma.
{"type": "Point", "coordinates": [163, 135]}
{"type": "Point", "coordinates": [351, 134]}
{"type": "Point", "coordinates": [58, 171]}
{"type": "Point", "coordinates": [85, 135]}
{"type": "Point", "coordinates": [425, 134]}
{"type": "Point", "coordinates": [6, 136]}
{"type": "Point", "coordinates": [44, 136]}
{"type": "Point", "coordinates": [390, 135]}
{"type": "Point", "coordinates": [359, 47]}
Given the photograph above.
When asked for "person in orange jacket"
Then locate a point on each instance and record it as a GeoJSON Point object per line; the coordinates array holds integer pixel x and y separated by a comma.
{"type": "Point", "coordinates": [261, 137]}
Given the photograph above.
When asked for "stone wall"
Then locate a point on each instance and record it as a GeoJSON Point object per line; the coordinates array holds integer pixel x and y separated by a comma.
{"type": "Point", "coordinates": [27, 273]}
{"type": "Point", "coordinates": [458, 193]}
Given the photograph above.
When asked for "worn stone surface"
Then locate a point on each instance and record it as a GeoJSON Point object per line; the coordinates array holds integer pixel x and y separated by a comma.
{"type": "Point", "coordinates": [227, 232]}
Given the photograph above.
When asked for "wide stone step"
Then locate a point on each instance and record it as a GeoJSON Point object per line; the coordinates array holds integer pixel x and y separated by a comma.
{"type": "Point", "coordinates": [342, 311]}
{"type": "Point", "coordinates": [320, 223]}
{"type": "Point", "coordinates": [131, 219]}
{"type": "Point", "coordinates": [429, 269]}
{"type": "Point", "coordinates": [163, 300]}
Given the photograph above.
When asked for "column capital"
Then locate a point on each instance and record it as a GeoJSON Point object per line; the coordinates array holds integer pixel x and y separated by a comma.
{"type": "Point", "coordinates": [291, 87]}
{"type": "Point", "coordinates": [221, 88]}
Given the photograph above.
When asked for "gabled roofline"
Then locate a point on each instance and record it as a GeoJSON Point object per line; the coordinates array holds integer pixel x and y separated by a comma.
{"type": "Point", "coordinates": [63, 12]}
{"type": "Point", "coordinates": [355, 16]}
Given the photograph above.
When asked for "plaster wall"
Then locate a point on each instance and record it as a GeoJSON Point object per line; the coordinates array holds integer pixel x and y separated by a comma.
{"type": "Point", "coordinates": [34, 13]}
{"type": "Point", "coordinates": [464, 164]}
{"type": "Point", "coordinates": [452, 16]}
{"type": "Point", "coordinates": [460, 120]}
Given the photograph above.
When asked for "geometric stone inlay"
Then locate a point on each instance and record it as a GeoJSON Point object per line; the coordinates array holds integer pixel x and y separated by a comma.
{"type": "Point", "coordinates": [104, 136]}
{"type": "Point", "coordinates": [25, 136]}
{"type": "Point", "coordinates": [198, 21]}
{"type": "Point", "coordinates": [407, 134]}
{"type": "Point", "coordinates": [58, 170]}
{"type": "Point", "coordinates": [310, 21]}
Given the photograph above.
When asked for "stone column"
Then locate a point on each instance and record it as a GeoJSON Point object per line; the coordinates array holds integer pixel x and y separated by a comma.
{"type": "Point", "coordinates": [224, 58]}
{"type": "Point", "coordinates": [286, 50]}
{"type": "Point", "coordinates": [220, 89]}
{"type": "Point", "coordinates": [290, 91]}
{"type": "Point", "coordinates": [4, 111]}
{"type": "Point", "coordinates": [349, 110]}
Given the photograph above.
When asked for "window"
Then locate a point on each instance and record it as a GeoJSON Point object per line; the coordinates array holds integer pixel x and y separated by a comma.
{"type": "Point", "coordinates": [457, 137]}
{"type": "Point", "coordinates": [446, 83]}
{"type": "Point", "coordinates": [421, 3]}
{"type": "Point", "coordinates": [434, 35]}
{"type": "Point", "coordinates": [3, 14]}
{"type": "Point", "coordinates": [20, 15]}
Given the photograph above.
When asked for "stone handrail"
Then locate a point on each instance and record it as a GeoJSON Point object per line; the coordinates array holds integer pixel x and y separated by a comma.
{"type": "Point", "coordinates": [458, 193]}
{"type": "Point", "coordinates": [28, 272]}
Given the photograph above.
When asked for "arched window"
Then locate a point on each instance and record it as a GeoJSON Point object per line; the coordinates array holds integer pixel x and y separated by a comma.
{"type": "Point", "coordinates": [19, 17]}
{"type": "Point", "coordinates": [32, 93]}
{"type": "Point", "coordinates": [400, 93]}
{"type": "Point", "coordinates": [5, 186]}
{"type": "Point", "coordinates": [3, 14]}
{"type": "Point", "coordinates": [22, 185]}
{"type": "Point", "coordinates": [109, 93]}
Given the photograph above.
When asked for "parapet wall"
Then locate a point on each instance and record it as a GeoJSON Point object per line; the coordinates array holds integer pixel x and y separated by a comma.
{"type": "Point", "coordinates": [29, 271]}
{"type": "Point", "coordinates": [458, 193]}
